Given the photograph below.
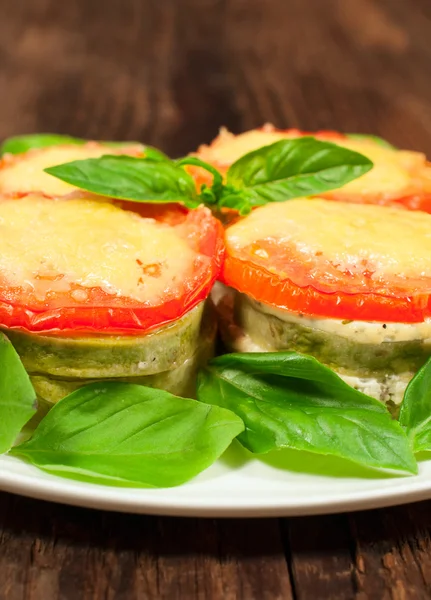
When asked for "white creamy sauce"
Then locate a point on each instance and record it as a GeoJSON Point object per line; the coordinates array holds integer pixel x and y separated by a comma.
{"type": "Point", "coordinates": [363, 332]}
{"type": "Point", "coordinates": [390, 389]}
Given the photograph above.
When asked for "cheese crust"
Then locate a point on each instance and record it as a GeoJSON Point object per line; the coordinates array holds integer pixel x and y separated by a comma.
{"type": "Point", "coordinates": [24, 173]}
{"type": "Point", "coordinates": [337, 246]}
{"type": "Point", "coordinates": [49, 245]}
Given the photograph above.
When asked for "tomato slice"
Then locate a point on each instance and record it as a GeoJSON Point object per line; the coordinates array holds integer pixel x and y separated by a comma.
{"type": "Point", "coordinates": [82, 309]}
{"type": "Point", "coordinates": [415, 202]}
{"type": "Point", "coordinates": [341, 278]}
{"type": "Point", "coordinates": [264, 286]}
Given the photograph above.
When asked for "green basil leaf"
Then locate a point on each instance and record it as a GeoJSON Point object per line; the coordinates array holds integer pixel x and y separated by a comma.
{"type": "Point", "coordinates": [129, 178]}
{"type": "Point", "coordinates": [126, 434]}
{"type": "Point", "coordinates": [290, 400]}
{"type": "Point", "coordinates": [415, 412]}
{"type": "Point", "coordinates": [293, 168]}
{"type": "Point", "coordinates": [155, 154]}
{"type": "Point", "coordinates": [240, 200]}
{"type": "Point", "coordinates": [197, 162]}
{"type": "Point", "coordinates": [208, 195]}
{"type": "Point", "coordinates": [371, 138]}
{"type": "Point", "coordinates": [23, 143]}
{"type": "Point", "coordinates": [17, 396]}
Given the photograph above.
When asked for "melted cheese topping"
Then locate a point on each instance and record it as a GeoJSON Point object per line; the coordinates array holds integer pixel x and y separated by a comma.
{"type": "Point", "coordinates": [25, 173]}
{"type": "Point", "coordinates": [325, 239]}
{"type": "Point", "coordinates": [228, 147]}
{"type": "Point", "coordinates": [392, 172]}
{"type": "Point", "coordinates": [50, 245]}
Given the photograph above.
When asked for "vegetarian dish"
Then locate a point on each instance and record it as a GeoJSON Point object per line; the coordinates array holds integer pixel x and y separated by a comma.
{"type": "Point", "coordinates": [107, 291]}
{"type": "Point", "coordinates": [347, 284]}
{"type": "Point", "coordinates": [400, 177]}
{"type": "Point", "coordinates": [113, 257]}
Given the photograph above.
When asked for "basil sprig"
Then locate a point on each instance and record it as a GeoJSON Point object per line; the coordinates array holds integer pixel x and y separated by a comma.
{"type": "Point", "coordinates": [129, 435]}
{"type": "Point", "coordinates": [290, 400]}
{"type": "Point", "coordinates": [208, 195]}
{"type": "Point", "coordinates": [23, 143]}
{"type": "Point", "coordinates": [17, 396]}
{"type": "Point", "coordinates": [291, 169]}
{"type": "Point", "coordinates": [274, 173]}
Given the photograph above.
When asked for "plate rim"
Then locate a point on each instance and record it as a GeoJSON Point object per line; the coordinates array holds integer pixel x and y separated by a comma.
{"type": "Point", "coordinates": [94, 496]}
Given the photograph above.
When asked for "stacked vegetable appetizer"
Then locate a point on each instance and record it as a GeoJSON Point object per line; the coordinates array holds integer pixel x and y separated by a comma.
{"type": "Point", "coordinates": [108, 257]}
{"type": "Point", "coordinates": [348, 284]}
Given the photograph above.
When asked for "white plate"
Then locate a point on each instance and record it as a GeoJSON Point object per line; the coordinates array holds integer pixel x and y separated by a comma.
{"type": "Point", "coordinates": [236, 486]}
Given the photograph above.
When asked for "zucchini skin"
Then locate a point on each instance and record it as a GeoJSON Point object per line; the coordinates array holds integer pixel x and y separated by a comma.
{"type": "Point", "coordinates": [381, 370]}
{"type": "Point", "coordinates": [180, 380]}
{"type": "Point", "coordinates": [167, 358]}
{"type": "Point", "coordinates": [343, 354]}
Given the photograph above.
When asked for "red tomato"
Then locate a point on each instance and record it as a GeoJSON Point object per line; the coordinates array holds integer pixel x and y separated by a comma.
{"type": "Point", "coordinates": [102, 313]}
{"type": "Point", "coordinates": [264, 286]}
{"type": "Point", "coordinates": [414, 201]}
{"type": "Point", "coordinates": [292, 276]}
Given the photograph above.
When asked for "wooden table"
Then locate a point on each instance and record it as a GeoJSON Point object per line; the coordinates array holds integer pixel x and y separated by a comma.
{"type": "Point", "coordinates": [170, 72]}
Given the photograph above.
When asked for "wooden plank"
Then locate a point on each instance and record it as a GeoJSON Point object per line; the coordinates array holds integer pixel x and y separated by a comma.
{"type": "Point", "coordinates": [386, 555]}
{"type": "Point", "coordinates": [134, 70]}
{"type": "Point", "coordinates": [392, 552]}
{"type": "Point", "coordinates": [216, 559]}
{"type": "Point", "coordinates": [319, 550]}
{"type": "Point", "coordinates": [354, 65]}
{"type": "Point", "coordinates": [332, 64]}
{"type": "Point", "coordinates": [52, 551]}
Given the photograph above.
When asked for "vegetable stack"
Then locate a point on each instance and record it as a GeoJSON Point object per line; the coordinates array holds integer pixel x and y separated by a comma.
{"type": "Point", "coordinates": [107, 311]}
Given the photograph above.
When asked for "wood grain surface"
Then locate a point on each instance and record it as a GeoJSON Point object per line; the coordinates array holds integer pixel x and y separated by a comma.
{"type": "Point", "coordinates": [170, 72]}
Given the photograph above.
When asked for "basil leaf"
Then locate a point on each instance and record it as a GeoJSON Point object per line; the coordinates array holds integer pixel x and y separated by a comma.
{"type": "Point", "coordinates": [126, 434]}
{"type": "Point", "coordinates": [239, 200]}
{"type": "Point", "coordinates": [290, 400]}
{"type": "Point", "coordinates": [23, 143]}
{"type": "Point", "coordinates": [129, 178]}
{"type": "Point", "coordinates": [365, 137]}
{"type": "Point", "coordinates": [17, 396]}
{"type": "Point", "coordinates": [293, 168]}
{"type": "Point", "coordinates": [415, 412]}
{"type": "Point", "coordinates": [197, 162]}
{"type": "Point", "coordinates": [155, 154]}
{"type": "Point", "coordinates": [208, 195]}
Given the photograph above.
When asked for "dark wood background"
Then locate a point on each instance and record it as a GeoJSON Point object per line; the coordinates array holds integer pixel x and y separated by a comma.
{"type": "Point", "coordinates": [170, 72]}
